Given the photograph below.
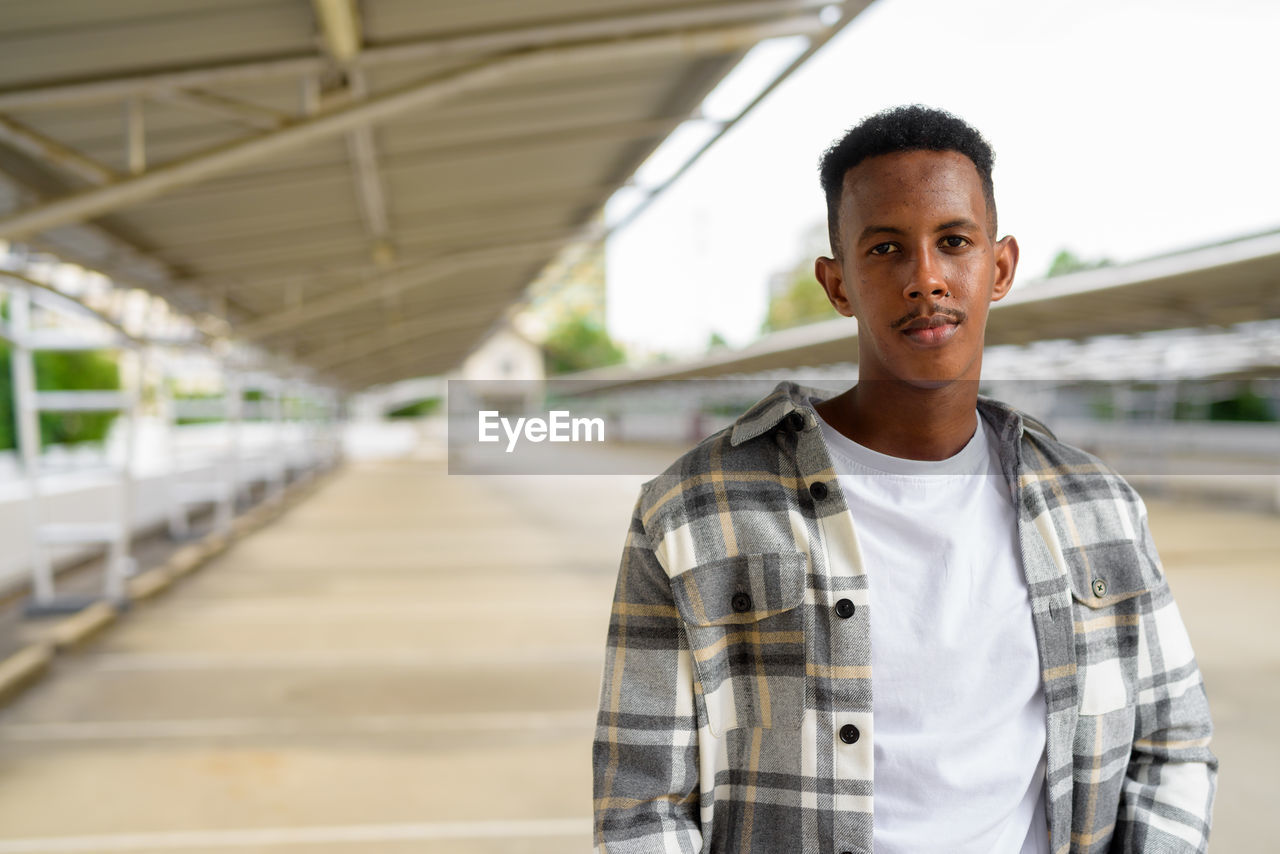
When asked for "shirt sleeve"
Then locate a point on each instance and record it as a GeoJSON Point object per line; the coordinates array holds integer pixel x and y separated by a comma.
{"type": "Point", "coordinates": [1167, 797]}
{"type": "Point", "coordinates": [645, 754]}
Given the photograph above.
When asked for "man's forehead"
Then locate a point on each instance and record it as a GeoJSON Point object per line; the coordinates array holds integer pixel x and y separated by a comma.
{"type": "Point", "coordinates": [904, 173]}
{"type": "Point", "coordinates": [907, 178]}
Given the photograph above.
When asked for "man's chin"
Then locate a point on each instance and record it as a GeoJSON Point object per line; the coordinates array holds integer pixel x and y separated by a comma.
{"type": "Point", "coordinates": [928, 374]}
{"type": "Point", "coordinates": [935, 382]}
{"type": "Point", "coordinates": [931, 383]}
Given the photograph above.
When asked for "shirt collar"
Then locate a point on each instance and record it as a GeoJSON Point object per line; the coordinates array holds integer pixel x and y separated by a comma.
{"type": "Point", "coordinates": [769, 411]}
{"type": "Point", "coordinates": [789, 396]}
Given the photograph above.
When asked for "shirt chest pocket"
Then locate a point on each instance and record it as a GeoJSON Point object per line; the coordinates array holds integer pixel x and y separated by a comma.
{"type": "Point", "coordinates": [746, 635]}
{"type": "Point", "coordinates": [1108, 595]}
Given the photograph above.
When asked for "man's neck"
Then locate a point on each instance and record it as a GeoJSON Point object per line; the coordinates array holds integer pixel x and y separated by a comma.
{"type": "Point", "coordinates": [905, 421]}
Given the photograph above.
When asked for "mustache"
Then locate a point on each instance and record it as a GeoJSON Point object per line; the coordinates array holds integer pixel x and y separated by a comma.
{"type": "Point", "coordinates": [954, 313]}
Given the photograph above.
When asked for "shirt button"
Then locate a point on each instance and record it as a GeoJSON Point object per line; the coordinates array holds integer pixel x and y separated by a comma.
{"type": "Point", "coordinates": [795, 421]}
{"type": "Point", "coordinates": [849, 733]}
{"type": "Point", "coordinates": [1099, 588]}
{"type": "Point", "coordinates": [818, 491]}
{"type": "Point", "coordinates": [844, 609]}
{"type": "Point", "coordinates": [741, 602]}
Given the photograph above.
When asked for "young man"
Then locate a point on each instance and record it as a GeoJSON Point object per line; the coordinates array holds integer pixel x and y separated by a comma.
{"type": "Point", "coordinates": [906, 617]}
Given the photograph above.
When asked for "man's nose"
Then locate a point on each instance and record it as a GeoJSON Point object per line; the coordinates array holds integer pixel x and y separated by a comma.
{"type": "Point", "coordinates": [925, 278]}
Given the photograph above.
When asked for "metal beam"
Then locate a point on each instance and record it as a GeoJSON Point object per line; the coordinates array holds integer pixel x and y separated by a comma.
{"type": "Point", "coordinates": [121, 258]}
{"type": "Point", "coordinates": [458, 150]}
{"type": "Point", "coordinates": [57, 94]}
{"type": "Point", "coordinates": [397, 282]}
{"type": "Point", "coordinates": [36, 144]}
{"type": "Point", "coordinates": [241, 112]}
{"type": "Point", "coordinates": [529, 134]}
{"type": "Point", "coordinates": [135, 135]}
{"type": "Point", "coordinates": [339, 22]}
{"type": "Point", "coordinates": [423, 94]}
{"type": "Point", "coordinates": [309, 95]}
{"type": "Point", "coordinates": [34, 286]}
{"type": "Point", "coordinates": [121, 265]}
{"type": "Point", "coordinates": [241, 266]}
{"type": "Point", "coordinates": [368, 179]}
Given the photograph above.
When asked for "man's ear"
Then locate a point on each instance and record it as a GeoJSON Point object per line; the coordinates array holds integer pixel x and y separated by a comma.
{"type": "Point", "coordinates": [1006, 265]}
{"type": "Point", "coordinates": [831, 276]}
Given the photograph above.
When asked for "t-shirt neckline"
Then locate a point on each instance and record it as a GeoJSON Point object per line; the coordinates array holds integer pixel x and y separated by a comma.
{"type": "Point", "coordinates": [970, 460]}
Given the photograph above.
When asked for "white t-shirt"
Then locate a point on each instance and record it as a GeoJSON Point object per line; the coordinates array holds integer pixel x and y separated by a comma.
{"type": "Point", "coordinates": [957, 698]}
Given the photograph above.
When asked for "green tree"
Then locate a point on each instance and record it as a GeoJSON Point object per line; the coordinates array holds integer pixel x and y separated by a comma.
{"type": "Point", "coordinates": [8, 423]}
{"type": "Point", "coordinates": [579, 343]}
{"type": "Point", "coordinates": [802, 300]}
{"type": "Point", "coordinates": [70, 371]}
{"type": "Point", "coordinates": [1067, 261]}
{"type": "Point", "coordinates": [417, 409]}
{"type": "Point", "coordinates": [1245, 405]}
{"type": "Point", "coordinates": [715, 341]}
{"type": "Point", "coordinates": [799, 298]}
{"type": "Point", "coordinates": [55, 371]}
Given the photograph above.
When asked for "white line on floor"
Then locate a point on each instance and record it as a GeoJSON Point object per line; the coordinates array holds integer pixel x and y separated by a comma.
{"type": "Point", "coordinates": [534, 828]}
{"type": "Point", "coordinates": [364, 658]}
{"type": "Point", "coordinates": [366, 724]}
{"type": "Point", "coordinates": [312, 609]}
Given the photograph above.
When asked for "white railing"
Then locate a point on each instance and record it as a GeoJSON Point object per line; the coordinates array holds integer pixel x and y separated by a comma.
{"type": "Point", "coordinates": [62, 504]}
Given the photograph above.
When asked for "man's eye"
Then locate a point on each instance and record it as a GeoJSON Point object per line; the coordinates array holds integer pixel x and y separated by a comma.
{"type": "Point", "coordinates": [955, 241]}
{"type": "Point", "coordinates": [882, 249]}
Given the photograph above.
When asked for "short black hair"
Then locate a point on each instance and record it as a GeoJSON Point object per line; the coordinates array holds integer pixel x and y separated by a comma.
{"type": "Point", "coordinates": [913, 127]}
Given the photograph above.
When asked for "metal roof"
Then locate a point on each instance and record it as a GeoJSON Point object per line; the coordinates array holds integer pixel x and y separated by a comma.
{"type": "Point", "coordinates": [362, 187]}
{"type": "Point", "coordinates": [1210, 286]}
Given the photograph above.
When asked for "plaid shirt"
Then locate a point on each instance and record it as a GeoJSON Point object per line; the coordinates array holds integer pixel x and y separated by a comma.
{"type": "Point", "coordinates": [729, 677]}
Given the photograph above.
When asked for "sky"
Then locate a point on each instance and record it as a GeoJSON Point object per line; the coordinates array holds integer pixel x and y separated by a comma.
{"type": "Point", "coordinates": [1122, 129]}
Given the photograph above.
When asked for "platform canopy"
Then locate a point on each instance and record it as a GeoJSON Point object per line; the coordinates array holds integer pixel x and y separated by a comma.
{"type": "Point", "coordinates": [361, 187]}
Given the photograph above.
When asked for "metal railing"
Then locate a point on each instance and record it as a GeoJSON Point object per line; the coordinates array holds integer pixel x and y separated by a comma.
{"type": "Point", "coordinates": [214, 465]}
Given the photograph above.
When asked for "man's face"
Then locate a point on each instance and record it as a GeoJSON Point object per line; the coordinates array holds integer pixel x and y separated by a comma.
{"type": "Point", "coordinates": [917, 253]}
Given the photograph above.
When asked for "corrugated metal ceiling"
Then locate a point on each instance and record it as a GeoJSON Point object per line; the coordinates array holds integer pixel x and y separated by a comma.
{"type": "Point", "coordinates": [432, 216]}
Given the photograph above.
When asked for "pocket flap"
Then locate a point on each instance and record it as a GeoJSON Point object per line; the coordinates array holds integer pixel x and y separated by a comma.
{"type": "Point", "coordinates": [1107, 574]}
{"type": "Point", "coordinates": [740, 589]}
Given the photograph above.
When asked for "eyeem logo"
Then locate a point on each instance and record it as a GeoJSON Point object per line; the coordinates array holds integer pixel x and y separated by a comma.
{"type": "Point", "coordinates": [559, 427]}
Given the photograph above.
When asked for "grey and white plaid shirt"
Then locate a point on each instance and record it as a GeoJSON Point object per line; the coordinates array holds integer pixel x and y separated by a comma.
{"type": "Point", "coordinates": [729, 677]}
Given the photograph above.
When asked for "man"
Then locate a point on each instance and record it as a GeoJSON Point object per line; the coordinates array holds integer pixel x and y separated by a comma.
{"type": "Point", "coordinates": [906, 617]}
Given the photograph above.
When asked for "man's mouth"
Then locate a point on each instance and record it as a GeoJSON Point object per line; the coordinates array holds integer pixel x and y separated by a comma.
{"type": "Point", "coordinates": [932, 330]}
{"type": "Point", "coordinates": [932, 335]}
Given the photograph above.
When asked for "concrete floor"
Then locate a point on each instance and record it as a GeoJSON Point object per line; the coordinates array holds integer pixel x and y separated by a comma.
{"type": "Point", "coordinates": [85, 578]}
{"type": "Point", "coordinates": [410, 662]}
{"type": "Point", "coordinates": [1225, 575]}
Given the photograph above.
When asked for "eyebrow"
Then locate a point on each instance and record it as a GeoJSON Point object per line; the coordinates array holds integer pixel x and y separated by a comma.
{"type": "Point", "coordinates": [888, 229]}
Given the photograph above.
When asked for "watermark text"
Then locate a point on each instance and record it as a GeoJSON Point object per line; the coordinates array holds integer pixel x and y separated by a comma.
{"type": "Point", "coordinates": [557, 427]}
